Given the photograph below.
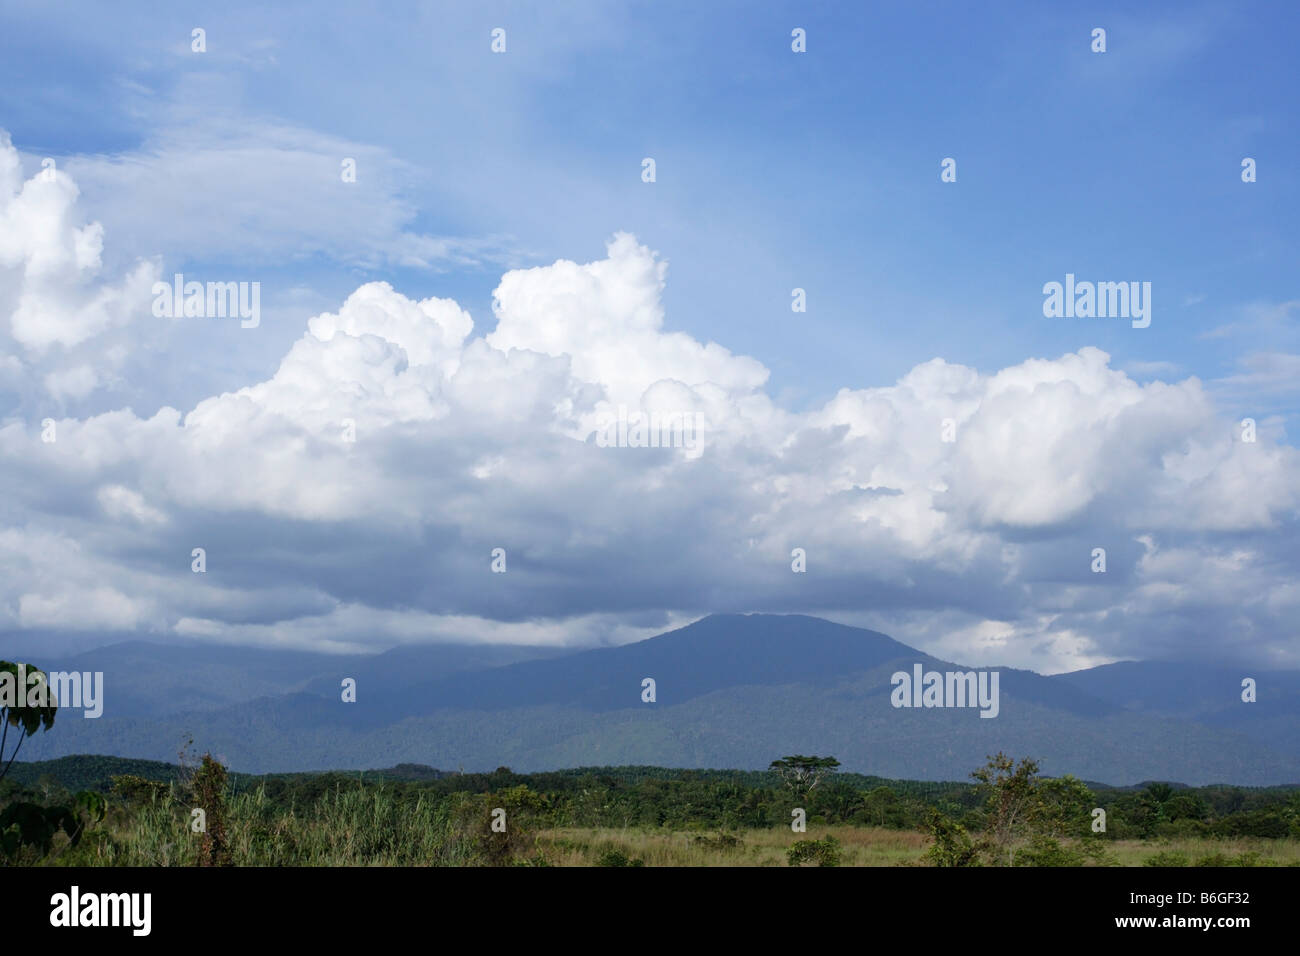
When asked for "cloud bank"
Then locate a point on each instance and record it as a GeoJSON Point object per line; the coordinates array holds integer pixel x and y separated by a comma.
{"type": "Point", "coordinates": [355, 496]}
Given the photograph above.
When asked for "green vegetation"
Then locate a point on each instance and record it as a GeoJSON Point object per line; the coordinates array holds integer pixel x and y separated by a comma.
{"type": "Point", "coordinates": [198, 814]}
{"type": "Point", "coordinates": [802, 774]}
{"type": "Point", "coordinates": [26, 706]}
{"type": "Point", "coordinates": [29, 828]}
{"type": "Point", "coordinates": [634, 816]}
{"type": "Point", "coordinates": [824, 852]}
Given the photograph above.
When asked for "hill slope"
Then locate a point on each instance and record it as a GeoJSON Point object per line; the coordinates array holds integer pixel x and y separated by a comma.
{"type": "Point", "coordinates": [732, 690]}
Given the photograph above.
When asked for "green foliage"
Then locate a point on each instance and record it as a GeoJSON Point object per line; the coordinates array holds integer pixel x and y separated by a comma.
{"type": "Point", "coordinates": [1168, 858]}
{"type": "Point", "coordinates": [419, 816]}
{"type": "Point", "coordinates": [497, 829]}
{"type": "Point", "coordinates": [28, 830]}
{"type": "Point", "coordinates": [1248, 858]}
{"type": "Point", "coordinates": [33, 827]}
{"type": "Point", "coordinates": [722, 842]}
{"type": "Point", "coordinates": [824, 852]}
{"type": "Point", "coordinates": [616, 857]}
{"type": "Point", "coordinates": [1179, 858]}
{"type": "Point", "coordinates": [1159, 793]}
{"type": "Point", "coordinates": [91, 771]}
{"type": "Point", "coordinates": [882, 807]}
{"type": "Point", "coordinates": [133, 789]}
{"type": "Point", "coordinates": [1062, 807]}
{"type": "Point", "coordinates": [1185, 806]}
{"type": "Point", "coordinates": [1269, 824]}
{"type": "Point", "coordinates": [91, 804]}
{"type": "Point", "coordinates": [25, 704]}
{"type": "Point", "coordinates": [1025, 821]}
{"type": "Point", "coordinates": [952, 844]}
{"type": "Point", "coordinates": [209, 794]}
{"type": "Point", "coordinates": [1012, 801]}
{"type": "Point", "coordinates": [801, 774]}
{"type": "Point", "coordinates": [1043, 850]}
{"type": "Point", "coordinates": [1183, 828]}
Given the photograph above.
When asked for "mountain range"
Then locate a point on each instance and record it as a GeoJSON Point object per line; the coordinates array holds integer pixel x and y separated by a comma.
{"type": "Point", "coordinates": [730, 691]}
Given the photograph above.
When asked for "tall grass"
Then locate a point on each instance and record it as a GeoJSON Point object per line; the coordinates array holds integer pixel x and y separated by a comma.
{"type": "Point", "coordinates": [378, 826]}
{"type": "Point", "coordinates": [345, 827]}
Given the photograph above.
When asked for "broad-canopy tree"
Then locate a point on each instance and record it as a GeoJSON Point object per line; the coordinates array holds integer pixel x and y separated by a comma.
{"type": "Point", "coordinates": [801, 774]}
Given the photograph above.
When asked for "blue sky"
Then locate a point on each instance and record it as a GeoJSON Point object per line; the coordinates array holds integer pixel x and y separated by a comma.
{"type": "Point", "coordinates": [775, 170]}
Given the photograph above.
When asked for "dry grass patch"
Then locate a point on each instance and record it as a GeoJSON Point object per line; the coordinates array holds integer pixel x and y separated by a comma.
{"type": "Point", "coordinates": [860, 846]}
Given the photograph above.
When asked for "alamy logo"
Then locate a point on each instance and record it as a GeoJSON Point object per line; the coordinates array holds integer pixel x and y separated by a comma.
{"type": "Point", "coordinates": [655, 430]}
{"type": "Point", "coordinates": [103, 909]}
{"type": "Point", "coordinates": [57, 688]}
{"type": "Point", "coordinates": [947, 689]}
{"type": "Point", "coordinates": [1102, 300]}
{"type": "Point", "coordinates": [215, 300]}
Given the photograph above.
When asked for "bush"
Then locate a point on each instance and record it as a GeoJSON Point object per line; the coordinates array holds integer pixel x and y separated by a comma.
{"type": "Point", "coordinates": [822, 852]}
{"type": "Point", "coordinates": [1045, 851]}
{"type": "Point", "coordinates": [1249, 858]}
{"type": "Point", "coordinates": [1183, 827]}
{"type": "Point", "coordinates": [723, 841]}
{"type": "Point", "coordinates": [1268, 824]}
{"type": "Point", "coordinates": [209, 786]}
{"type": "Point", "coordinates": [497, 829]}
{"type": "Point", "coordinates": [952, 844]}
{"type": "Point", "coordinates": [616, 857]}
{"type": "Point", "coordinates": [132, 789]}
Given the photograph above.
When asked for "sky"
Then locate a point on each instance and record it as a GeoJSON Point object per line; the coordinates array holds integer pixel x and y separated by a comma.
{"type": "Point", "coordinates": [500, 278]}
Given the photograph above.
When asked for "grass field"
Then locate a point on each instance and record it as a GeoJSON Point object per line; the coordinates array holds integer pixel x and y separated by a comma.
{"type": "Point", "coordinates": [333, 820]}
{"type": "Point", "coordinates": [863, 846]}
{"type": "Point", "coordinates": [860, 846]}
{"type": "Point", "coordinates": [349, 833]}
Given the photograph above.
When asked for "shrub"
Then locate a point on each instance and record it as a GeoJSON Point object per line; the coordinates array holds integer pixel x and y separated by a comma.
{"type": "Point", "coordinates": [723, 841]}
{"type": "Point", "coordinates": [616, 857]}
{"type": "Point", "coordinates": [487, 836]}
{"type": "Point", "coordinates": [133, 789]}
{"type": "Point", "coordinates": [1254, 823]}
{"type": "Point", "coordinates": [1249, 858]}
{"type": "Point", "coordinates": [952, 844]}
{"type": "Point", "coordinates": [1045, 851]}
{"type": "Point", "coordinates": [822, 852]}
{"type": "Point", "coordinates": [1183, 827]}
{"type": "Point", "coordinates": [209, 785]}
